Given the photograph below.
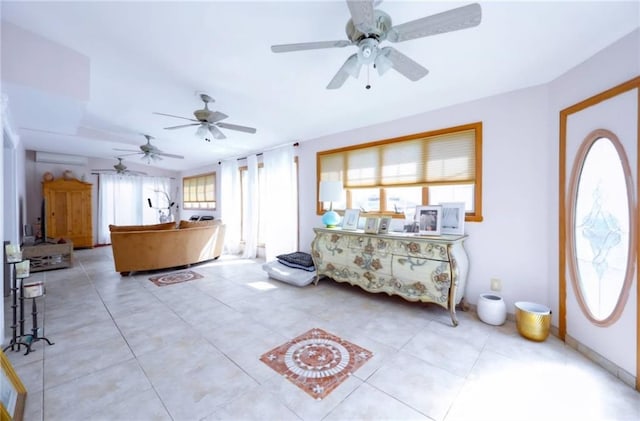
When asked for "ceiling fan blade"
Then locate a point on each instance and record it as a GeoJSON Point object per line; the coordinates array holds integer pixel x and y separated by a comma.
{"type": "Point", "coordinates": [236, 127]}
{"type": "Point", "coordinates": [362, 15]}
{"type": "Point", "coordinates": [451, 20]}
{"type": "Point", "coordinates": [403, 64]}
{"type": "Point", "coordinates": [168, 155]}
{"type": "Point", "coordinates": [125, 150]}
{"type": "Point", "coordinates": [216, 116]}
{"type": "Point", "coordinates": [285, 48]}
{"type": "Point", "coordinates": [216, 133]}
{"type": "Point", "coordinates": [181, 126]}
{"type": "Point", "coordinates": [175, 116]}
{"type": "Point", "coordinates": [351, 67]}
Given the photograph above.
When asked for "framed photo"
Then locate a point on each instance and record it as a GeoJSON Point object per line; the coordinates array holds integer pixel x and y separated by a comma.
{"type": "Point", "coordinates": [371, 226]}
{"type": "Point", "coordinates": [383, 227]}
{"type": "Point", "coordinates": [350, 220]}
{"type": "Point", "coordinates": [429, 219]}
{"type": "Point", "coordinates": [453, 218]}
{"type": "Point", "coordinates": [12, 392]}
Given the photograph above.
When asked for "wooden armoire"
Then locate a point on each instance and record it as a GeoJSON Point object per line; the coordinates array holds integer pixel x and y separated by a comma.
{"type": "Point", "coordinates": [68, 211]}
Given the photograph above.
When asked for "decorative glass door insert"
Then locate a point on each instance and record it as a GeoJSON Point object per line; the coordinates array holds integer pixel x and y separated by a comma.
{"type": "Point", "coordinates": [600, 222]}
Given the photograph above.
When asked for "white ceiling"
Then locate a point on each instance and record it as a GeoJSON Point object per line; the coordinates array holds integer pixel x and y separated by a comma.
{"type": "Point", "coordinates": [158, 56]}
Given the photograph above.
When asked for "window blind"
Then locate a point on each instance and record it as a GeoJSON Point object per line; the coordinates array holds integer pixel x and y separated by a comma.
{"type": "Point", "coordinates": [423, 160]}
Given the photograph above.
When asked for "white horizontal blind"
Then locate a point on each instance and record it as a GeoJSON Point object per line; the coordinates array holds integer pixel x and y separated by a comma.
{"type": "Point", "coordinates": [451, 158]}
{"type": "Point", "coordinates": [419, 161]}
{"type": "Point", "coordinates": [199, 192]}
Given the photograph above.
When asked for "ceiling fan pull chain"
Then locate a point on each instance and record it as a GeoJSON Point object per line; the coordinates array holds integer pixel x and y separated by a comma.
{"type": "Point", "coordinates": [368, 86]}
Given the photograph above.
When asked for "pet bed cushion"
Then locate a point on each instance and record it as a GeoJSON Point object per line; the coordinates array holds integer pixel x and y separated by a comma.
{"type": "Point", "coordinates": [289, 275]}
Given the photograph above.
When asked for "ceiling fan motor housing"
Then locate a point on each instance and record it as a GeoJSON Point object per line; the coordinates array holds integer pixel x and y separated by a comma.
{"type": "Point", "coordinates": [382, 24]}
{"type": "Point", "coordinates": [202, 115]}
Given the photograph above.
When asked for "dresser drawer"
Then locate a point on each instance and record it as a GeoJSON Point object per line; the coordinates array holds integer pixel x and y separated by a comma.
{"type": "Point", "coordinates": [424, 249]}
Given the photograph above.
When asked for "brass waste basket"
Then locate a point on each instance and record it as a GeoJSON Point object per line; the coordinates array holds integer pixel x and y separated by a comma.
{"type": "Point", "coordinates": [533, 320]}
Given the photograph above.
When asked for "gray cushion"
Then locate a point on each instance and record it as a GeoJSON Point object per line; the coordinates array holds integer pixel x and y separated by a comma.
{"type": "Point", "coordinates": [298, 258]}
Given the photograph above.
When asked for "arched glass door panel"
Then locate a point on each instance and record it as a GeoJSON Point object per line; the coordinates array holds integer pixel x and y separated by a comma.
{"type": "Point", "coordinates": [601, 237]}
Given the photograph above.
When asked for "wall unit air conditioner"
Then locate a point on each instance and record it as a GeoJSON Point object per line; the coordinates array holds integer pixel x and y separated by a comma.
{"type": "Point", "coordinates": [57, 158]}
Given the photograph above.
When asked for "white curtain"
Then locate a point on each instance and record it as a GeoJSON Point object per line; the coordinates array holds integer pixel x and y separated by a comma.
{"type": "Point", "coordinates": [250, 210]}
{"type": "Point", "coordinates": [281, 188]}
{"type": "Point", "coordinates": [122, 200]}
{"type": "Point", "coordinates": [230, 205]}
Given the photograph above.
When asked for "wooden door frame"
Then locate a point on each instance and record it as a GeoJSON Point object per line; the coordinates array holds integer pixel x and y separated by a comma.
{"type": "Point", "coordinates": [562, 214]}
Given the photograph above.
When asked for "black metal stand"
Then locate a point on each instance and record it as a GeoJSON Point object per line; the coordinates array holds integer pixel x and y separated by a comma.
{"type": "Point", "coordinates": [15, 338]}
{"type": "Point", "coordinates": [34, 329]}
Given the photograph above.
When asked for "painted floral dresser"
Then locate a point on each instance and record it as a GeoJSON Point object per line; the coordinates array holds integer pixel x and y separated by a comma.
{"type": "Point", "coordinates": [417, 268]}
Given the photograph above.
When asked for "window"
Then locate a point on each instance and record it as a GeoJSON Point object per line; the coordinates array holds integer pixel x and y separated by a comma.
{"type": "Point", "coordinates": [393, 176]}
{"type": "Point", "coordinates": [199, 192]}
{"type": "Point", "coordinates": [600, 235]}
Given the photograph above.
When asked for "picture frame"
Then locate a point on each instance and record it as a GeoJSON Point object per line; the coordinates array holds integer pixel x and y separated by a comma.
{"type": "Point", "coordinates": [429, 219]}
{"type": "Point", "coordinates": [12, 392]}
{"type": "Point", "coordinates": [350, 220]}
{"type": "Point", "coordinates": [383, 226]}
{"type": "Point", "coordinates": [453, 214]}
{"type": "Point", "coordinates": [371, 225]}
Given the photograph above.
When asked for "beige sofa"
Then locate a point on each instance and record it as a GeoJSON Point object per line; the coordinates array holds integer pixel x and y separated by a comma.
{"type": "Point", "coordinates": [162, 246]}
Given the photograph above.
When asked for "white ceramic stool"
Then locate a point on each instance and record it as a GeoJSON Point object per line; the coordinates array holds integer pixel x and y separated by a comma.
{"type": "Point", "coordinates": [492, 309]}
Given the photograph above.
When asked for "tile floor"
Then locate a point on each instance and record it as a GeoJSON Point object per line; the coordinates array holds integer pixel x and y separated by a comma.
{"type": "Point", "coordinates": [126, 349]}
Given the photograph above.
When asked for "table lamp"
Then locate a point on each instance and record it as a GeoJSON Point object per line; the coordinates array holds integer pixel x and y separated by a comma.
{"type": "Point", "coordinates": [330, 191]}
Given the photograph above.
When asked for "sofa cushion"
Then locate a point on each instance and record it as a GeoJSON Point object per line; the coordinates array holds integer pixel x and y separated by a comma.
{"type": "Point", "coordinates": [194, 224]}
{"type": "Point", "coordinates": [152, 227]}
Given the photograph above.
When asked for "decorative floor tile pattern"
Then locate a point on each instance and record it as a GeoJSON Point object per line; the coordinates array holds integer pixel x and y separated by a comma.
{"type": "Point", "coordinates": [316, 361]}
{"type": "Point", "coordinates": [175, 278]}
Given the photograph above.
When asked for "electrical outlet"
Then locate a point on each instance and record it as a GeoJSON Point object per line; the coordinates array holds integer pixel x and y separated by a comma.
{"type": "Point", "coordinates": [496, 284]}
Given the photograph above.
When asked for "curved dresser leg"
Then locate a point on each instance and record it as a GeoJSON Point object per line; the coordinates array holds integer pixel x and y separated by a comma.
{"type": "Point", "coordinates": [452, 312]}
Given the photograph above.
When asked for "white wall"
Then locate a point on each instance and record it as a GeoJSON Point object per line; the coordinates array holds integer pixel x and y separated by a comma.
{"type": "Point", "coordinates": [35, 170]}
{"type": "Point", "coordinates": [214, 167]}
{"type": "Point", "coordinates": [518, 239]}
{"type": "Point", "coordinates": [511, 242]}
{"type": "Point", "coordinates": [615, 64]}
{"type": "Point", "coordinates": [12, 189]}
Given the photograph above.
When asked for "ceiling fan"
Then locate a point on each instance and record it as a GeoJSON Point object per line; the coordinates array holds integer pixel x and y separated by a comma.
{"type": "Point", "coordinates": [149, 151]}
{"type": "Point", "coordinates": [208, 122]}
{"type": "Point", "coordinates": [120, 168]}
{"type": "Point", "coordinates": [369, 27]}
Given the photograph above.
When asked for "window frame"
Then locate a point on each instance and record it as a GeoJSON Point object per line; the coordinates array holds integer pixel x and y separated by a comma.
{"type": "Point", "coordinates": [204, 177]}
{"type": "Point", "coordinates": [474, 216]}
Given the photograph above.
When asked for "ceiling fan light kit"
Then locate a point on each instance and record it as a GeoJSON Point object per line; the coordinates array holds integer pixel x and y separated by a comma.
{"type": "Point", "coordinates": [368, 27]}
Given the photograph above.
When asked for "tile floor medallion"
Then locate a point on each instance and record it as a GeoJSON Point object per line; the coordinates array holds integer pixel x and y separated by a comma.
{"type": "Point", "coordinates": [316, 361]}
{"type": "Point", "coordinates": [175, 278]}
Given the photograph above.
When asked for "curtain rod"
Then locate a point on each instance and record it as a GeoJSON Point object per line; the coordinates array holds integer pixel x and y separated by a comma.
{"type": "Point", "coordinates": [126, 175]}
{"type": "Point", "coordinates": [295, 145]}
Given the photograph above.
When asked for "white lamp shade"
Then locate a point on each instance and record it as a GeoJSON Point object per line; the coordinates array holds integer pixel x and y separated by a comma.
{"type": "Point", "coordinates": [202, 131]}
{"type": "Point", "coordinates": [330, 191]}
